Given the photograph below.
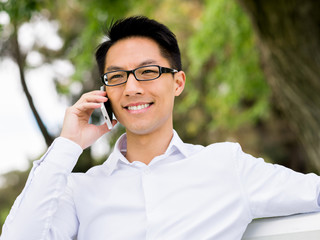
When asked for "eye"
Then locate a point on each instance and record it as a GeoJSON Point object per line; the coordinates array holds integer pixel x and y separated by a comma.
{"type": "Point", "coordinates": [149, 71]}
{"type": "Point", "coordinates": [115, 76]}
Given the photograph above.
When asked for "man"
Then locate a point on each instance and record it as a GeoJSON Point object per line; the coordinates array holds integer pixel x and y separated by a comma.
{"type": "Point", "coordinates": [153, 186]}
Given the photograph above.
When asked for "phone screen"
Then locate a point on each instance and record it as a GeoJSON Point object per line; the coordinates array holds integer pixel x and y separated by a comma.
{"type": "Point", "coordinates": [109, 109]}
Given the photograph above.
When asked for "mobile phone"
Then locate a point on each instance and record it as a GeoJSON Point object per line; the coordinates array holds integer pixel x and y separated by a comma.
{"type": "Point", "coordinates": [106, 111]}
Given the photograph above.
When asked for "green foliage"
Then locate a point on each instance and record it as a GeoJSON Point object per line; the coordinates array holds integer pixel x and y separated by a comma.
{"type": "Point", "coordinates": [21, 10]}
{"type": "Point", "coordinates": [225, 79]}
{"type": "Point", "coordinates": [98, 15]}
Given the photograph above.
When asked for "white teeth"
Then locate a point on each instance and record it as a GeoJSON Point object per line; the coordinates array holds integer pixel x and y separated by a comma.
{"type": "Point", "coordinates": [138, 107]}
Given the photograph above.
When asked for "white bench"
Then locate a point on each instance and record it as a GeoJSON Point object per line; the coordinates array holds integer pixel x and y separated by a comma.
{"type": "Point", "coordinates": [295, 227]}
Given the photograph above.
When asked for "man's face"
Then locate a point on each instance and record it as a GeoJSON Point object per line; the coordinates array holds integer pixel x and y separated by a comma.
{"type": "Point", "coordinates": [142, 107]}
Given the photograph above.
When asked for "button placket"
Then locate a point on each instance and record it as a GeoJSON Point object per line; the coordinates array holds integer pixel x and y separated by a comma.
{"type": "Point", "coordinates": [146, 178]}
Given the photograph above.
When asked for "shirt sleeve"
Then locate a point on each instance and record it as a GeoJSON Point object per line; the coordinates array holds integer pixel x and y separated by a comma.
{"type": "Point", "coordinates": [44, 209]}
{"type": "Point", "coordinates": [273, 190]}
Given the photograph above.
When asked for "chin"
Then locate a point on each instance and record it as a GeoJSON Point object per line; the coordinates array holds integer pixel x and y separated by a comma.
{"type": "Point", "coordinates": [139, 131]}
{"type": "Point", "coordinates": [146, 127]}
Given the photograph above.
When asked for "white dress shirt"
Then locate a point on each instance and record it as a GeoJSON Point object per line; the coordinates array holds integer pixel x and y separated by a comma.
{"type": "Point", "coordinates": [189, 192]}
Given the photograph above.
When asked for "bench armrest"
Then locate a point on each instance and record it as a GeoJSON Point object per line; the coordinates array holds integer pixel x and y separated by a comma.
{"type": "Point", "coordinates": [295, 227]}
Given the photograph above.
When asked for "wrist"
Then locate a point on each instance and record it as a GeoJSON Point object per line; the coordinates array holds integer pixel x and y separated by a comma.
{"type": "Point", "coordinates": [71, 137]}
{"type": "Point", "coordinates": [71, 140]}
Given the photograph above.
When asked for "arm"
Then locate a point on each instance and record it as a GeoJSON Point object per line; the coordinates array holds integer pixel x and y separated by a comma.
{"type": "Point", "coordinates": [33, 212]}
{"type": "Point", "coordinates": [44, 209]}
{"type": "Point", "coordinates": [274, 190]}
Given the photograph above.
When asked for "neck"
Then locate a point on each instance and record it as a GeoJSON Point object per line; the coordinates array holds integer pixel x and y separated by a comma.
{"type": "Point", "coordinates": [145, 147]}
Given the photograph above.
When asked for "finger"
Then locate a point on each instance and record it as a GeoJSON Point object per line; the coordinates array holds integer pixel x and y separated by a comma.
{"type": "Point", "coordinates": [96, 92]}
{"type": "Point", "coordinates": [103, 129]}
{"type": "Point", "coordinates": [91, 95]}
{"type": "Point", "coordinates": [114, 122]}
{"type": "Point", "coordinates": [84, 107]}
{"type": "Point", "coordinates": [93, 98]}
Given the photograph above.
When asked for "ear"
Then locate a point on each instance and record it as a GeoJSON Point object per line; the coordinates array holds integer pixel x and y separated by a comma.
{"type": "Point", "coordinates": [179, 82]}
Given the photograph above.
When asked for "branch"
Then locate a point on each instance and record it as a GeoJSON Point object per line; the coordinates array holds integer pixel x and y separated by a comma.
{"type": "Point", "coordinates": [19, 60]}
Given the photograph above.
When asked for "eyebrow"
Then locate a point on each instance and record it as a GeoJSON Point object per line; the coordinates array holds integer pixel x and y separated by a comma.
{"type": "Point", "coordinates": [146, 62]}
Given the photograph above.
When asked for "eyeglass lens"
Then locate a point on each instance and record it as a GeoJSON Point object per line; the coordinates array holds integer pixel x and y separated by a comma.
{"type": "Point", "coordinates": [143, 74]}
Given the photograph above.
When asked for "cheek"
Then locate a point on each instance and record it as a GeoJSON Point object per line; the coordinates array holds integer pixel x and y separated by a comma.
{"type": "Point", "coordinates": [167, 101]}
{"type": "Point", "coordinates": [113, 98]}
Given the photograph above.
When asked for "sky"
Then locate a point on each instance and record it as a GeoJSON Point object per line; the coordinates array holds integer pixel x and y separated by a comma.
{"type": "Point", "coordinates": [20, 138]}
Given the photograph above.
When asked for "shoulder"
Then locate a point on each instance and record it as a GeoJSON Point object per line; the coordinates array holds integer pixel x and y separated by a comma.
{"type": "Point", "coordinates": [221, 154]}
{"type": "Point", "coordinates": [220, 149]}
{"type": "Point", "coordinates": [224, 146]}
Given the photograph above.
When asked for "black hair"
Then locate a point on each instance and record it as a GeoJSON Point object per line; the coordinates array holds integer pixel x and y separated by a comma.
{"type": "Point", "coordinates": [140, 26]}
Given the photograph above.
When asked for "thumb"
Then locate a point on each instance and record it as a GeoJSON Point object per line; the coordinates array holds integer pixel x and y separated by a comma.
{"type": "Point", "coordinates": [103, 129]}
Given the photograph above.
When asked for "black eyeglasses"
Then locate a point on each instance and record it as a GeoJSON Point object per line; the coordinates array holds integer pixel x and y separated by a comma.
{"type": "Point", "coordinates": [145, 73]}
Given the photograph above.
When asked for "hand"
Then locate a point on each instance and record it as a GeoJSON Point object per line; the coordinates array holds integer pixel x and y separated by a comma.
{"type": "Point", "coordinates": [75, 124]}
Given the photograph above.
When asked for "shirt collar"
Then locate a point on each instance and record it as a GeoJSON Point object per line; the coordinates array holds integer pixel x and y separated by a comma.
{"type": "Point", "coordinates": [118, 154]}
{"type": "Point", "coordinates": [177, 143]}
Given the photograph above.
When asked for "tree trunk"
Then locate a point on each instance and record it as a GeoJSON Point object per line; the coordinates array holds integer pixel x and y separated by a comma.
{"type": "Point", "coordinates": [288, 36]}
{"type": "Point", "coordinates": [19, 60]}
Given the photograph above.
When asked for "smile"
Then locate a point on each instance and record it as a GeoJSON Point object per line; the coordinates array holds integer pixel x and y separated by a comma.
{"type": "Point", "coordinates": [138, 107]}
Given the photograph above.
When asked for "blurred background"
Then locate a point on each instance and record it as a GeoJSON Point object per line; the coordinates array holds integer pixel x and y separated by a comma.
{"type": "Point", "coordinates": [252, 71]}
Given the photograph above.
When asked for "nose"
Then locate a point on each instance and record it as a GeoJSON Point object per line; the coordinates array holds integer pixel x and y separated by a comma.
{"type": "Point", "coordinates": [132, 86]}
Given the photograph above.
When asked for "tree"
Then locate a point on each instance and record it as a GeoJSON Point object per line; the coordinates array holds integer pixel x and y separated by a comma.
{"type": "Point", "coordinates": [19, 13]}
{"type": "Point", "coordinates": [288, 37]}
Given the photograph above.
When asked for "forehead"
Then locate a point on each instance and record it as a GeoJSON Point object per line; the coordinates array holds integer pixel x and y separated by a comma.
{"type": "Point", "coordinates": [131, 52]}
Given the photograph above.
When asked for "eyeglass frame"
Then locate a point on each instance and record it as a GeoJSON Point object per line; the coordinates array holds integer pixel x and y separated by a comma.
{"type": "Point", "coordinates": [161, 70]}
